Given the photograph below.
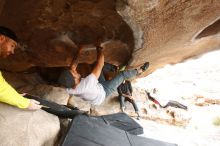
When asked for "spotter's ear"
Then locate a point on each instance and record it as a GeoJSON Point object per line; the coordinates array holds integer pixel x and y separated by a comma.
{"type": "Point", "coordinates": [2, 38]}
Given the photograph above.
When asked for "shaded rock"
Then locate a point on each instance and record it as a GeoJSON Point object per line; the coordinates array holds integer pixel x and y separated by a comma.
{"type": "Point", "coordinates": [2, 5]}
{"type": "Point", "coordinates": [32, 83]}
{"type": "Point", "coordinates": [20, 80]}
{"type": "Point", "coordinates": [67, 23]}
{"type": "Point", "coordinates": [78, 102]}
{"type": "Point", "coordinates": [109, 106]}
{"type": "Point", "coordinates": [51, 93]}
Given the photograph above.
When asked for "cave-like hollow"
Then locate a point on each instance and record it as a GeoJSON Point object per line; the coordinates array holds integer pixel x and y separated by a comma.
{"type": "Point", "coordinates": [210, 30]}
{"type": "Point", "coordinates": [42, 24]}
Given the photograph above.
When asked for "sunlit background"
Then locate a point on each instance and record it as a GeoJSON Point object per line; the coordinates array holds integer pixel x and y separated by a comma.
{"type": "Point", "coordinates": [195, 83]}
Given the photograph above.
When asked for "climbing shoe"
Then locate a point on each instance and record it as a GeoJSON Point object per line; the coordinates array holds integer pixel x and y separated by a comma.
{"type": "Point", "coordinates": [145, 66]}
{"type": "Point", "coordinates": [122, 68]}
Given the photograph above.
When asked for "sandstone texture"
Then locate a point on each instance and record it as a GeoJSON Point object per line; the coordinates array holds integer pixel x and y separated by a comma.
{"type": "Point", "coordinates": [158, 31]}
{"type": "Point", "coordinates": [27, 128]}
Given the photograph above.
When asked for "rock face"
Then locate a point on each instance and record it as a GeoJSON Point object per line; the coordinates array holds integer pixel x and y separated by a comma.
{"type": "Point", "coordinates": [41, 24]}
{"type": "Point", "coordinates": [27, 128]}
{"type": "Point", "coordinates": [158, 31]}
{"type": "Point", "coordinates": [31, 128]}
{"type": "Point", "coordinates": [170, 29]}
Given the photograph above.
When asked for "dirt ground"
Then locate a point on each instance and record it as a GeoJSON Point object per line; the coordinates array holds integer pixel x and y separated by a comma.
{"type": "Point", "coordinates": [196, 83]}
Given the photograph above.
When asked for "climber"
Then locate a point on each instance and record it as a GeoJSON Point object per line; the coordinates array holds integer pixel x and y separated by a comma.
{"type": "Point", "coordinates": [125, 94]}
{"type": "Point", "coordinates": [94, 87]}
{"type": "Point", "coordinates": [8, 43]}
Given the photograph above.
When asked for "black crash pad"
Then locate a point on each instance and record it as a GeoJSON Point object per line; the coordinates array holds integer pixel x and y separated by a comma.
{"type": "Point", "coordinates": [88, 131]}
{"type": "Point", "coordinates": [123, 122]}
{"type": "Point", "coordinates": [61, 111]}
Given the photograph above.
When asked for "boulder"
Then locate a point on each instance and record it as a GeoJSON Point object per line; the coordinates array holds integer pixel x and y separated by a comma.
{"type": "Point", "coordinates": [27, 128]}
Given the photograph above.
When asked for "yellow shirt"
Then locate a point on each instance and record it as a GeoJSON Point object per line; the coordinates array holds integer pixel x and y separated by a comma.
{"type": "Point", "coordinates": [10, 96]}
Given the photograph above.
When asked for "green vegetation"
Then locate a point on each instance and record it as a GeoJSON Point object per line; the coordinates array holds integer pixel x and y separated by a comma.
{"type": "Point", "coordinates": [216, 121]}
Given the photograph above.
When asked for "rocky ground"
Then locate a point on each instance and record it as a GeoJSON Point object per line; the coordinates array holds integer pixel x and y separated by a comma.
{"type": "Point", "coordinates": [195, 83]}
